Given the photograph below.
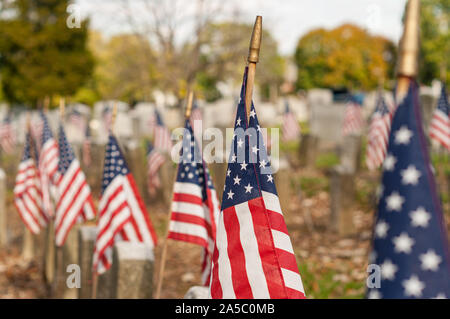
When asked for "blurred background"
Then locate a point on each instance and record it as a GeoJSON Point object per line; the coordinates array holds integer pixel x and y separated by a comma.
{"type": "Point", "coordinates": [145, 55]}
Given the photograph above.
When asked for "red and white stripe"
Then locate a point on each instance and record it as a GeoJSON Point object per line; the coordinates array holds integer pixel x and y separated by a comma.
{"type": "Point", "coordinates": [154, 162]}
{"type": "Point", "coordinates": [122, 216]}
{"type": "Point", "coordinates": [74, 201]}
{"type": "Point", "coordinates": [378, 138]}
{"type": "Point", "coordinates": [291, 128]}
{"type": "Point", "coordinates": [48, 167]}
{"type": "Point", "coordinates": [440, 128]}
{"type": "Point", "coordinates": [353, 119]}
{"type": "Point", "coordinates": [250, 262]}
{"type": "Point", "coordinates": [28, 196]}
{"type": "Point", "coordinates": [194, 220]}
{"type": "Point", "coordinates": [162, 140]}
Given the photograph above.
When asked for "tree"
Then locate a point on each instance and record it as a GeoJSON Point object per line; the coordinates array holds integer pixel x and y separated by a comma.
{"type": "Point", "coordinates": [344, 56]}
{"type": "Point", "coordinates": [39, 55]}
{"type": "Point", "coordinates": [434, 62]}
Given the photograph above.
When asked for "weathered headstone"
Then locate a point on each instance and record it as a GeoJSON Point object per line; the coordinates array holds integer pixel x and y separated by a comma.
{"type": "Point", "coordinates": [342, 193]}
{"type": "Point", "coordinates": [197, 292]}
{"type": "Point", "coordinates": [428, 103]}
{"type": "Point", "coordinates": [284, 184]}
{"type": "Point", "coordinates": [105, 285]}
{"type": "Point", "coordinates": [132, 271]}
{"type": "Point", "coordinates": [86, 242]}
{"type": "Point", "coordinates": [308, 149]}
{"type": "Point", "coordinates": [3, 213]}
{"type": "Point", "coordinates": [49, 254]}
{"type": "Point", "coordinates": [350, 153]}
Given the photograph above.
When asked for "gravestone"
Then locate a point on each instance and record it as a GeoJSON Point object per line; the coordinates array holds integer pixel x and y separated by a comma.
{"type": "Point", "coordinates": [86, 243]}
{"type": "Point", "coordinates": [28, 245]}
{"type": "Point", "coordinates": [197, 292]}
{"type": "Point", "coordinates": [350, 152]}
{"type": "Point", "coordinates": [104, 285]}
{"type": "Point", "coordinates": [49, 254]}
{"type": "Point", "coordinates": [308, 150]}
{"type": "Point", "coordinates": [284, 184]}
{"type": "Point", "coordinates": [132, 271]}
{"type": "Point", "coordinates": [428, 103]}
{"type": "Point", "coordinates": [3, 212]}
{"type": "Point", "coordinates": [342, 193]}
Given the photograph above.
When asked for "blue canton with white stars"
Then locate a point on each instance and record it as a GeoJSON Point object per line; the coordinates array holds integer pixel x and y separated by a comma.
{"type": "Point", "coordinates": [115, 163]}
{"type": "Point", "coordinates": [248, 170]}
{"type": "Point", "coordinates": [443, 102]}
{"type": "Point", "coordinates": [27, 148]}
{"type": "Point", "coordinates": [66, 155]}
{"type": "Point", "coordinates": [46, 131]}
{"type": "Point", "coordinates": [410, 241]}
{"type": "Point", "coordinates": [192, 168]}
{"type": "Point", "coordinates": [381, 107]}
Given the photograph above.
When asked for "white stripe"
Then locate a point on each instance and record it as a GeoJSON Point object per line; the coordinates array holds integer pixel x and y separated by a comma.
{"type": "Point", "coordinates": [224, 272]}
{"type": "Point", "coordinates": [292, 279]}
{"type": "Point", "coordinates": [34, 228]}
{"type": "Point", "coordinates": [189, 209]}
{"type": "Point", "coordinates": [253, 265]}
{"type": "Point", "coordinates": [282, 241]}
{"type": "Point", "coordinates": [188, 229]}
{"type": "Point", "coordinates": [271, 202]}
{"type": "Point", "coordinates": [187, 188]}
{"type": "Point", "coordinates": [66, 199]}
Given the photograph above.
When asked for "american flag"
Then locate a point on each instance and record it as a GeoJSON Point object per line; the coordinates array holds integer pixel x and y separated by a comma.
{"type": "Point", "coordinates": [161, 134]}
{"type": "Point", "coordinates": [87, 147]}
{"type": "Point", "coordinates": [195, 207]}
{"type": "Point", "coordinates": [154, 162]}
{"type": "Point", "coordinates": [410, 240]}
{"type": "Point", "coordinates": [77, 119]}
{"type": "Point", "coordinates": [122, 213]}
{"type": "Point", "coordinates": [48, 165]}
{"type": "Point", "coordinates": [253, 255]}
{"type": "Point", "coordinates": [7, 135]}
{"type": "Point", "coordinates": [440, 123]}
{"type": "Point", "coordinates": [36, 127]}
{"type": "Point", "coordinates": [291, 129]}
{"type": "Point", "coordinates": [27, 191]}
{"type": "Point", "coordinates": [353, 118]}
{"type": "Point", "coordinates": [74, 194]}
{"type": "Point", "coordinates": [378, 134]}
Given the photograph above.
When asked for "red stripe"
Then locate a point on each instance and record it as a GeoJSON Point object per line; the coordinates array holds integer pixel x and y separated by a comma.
{"type": "Point", "coordinates": [188, 238]}
{"type": "Point", "coordinates": [266, 247]}
{"type": "Point", "coordinates": [188, 198]}
{"type": "Point", "coordinates": [241, 285]}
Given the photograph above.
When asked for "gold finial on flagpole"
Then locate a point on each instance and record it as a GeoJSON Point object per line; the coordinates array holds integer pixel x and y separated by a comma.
{"type": "Point", "coordinates": [407, 64]}
{"type": "Point", "coordinates": [253, 58]}
{"type": "Point", "coordinates": [189, 104]}
{"type": "Point", "coordinates": [62, 107]}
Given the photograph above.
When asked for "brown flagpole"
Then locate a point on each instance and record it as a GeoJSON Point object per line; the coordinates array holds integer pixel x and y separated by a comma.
{"type": "Point", "coordinates": [252, 59]}
{"type": "Point", "coordinates": [162, 266]}
{"type": "Point", "coordinates": [407, 65]}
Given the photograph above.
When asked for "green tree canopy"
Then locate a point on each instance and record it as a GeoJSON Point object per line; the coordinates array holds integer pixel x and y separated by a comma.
{"type": "Point", "coordinates": [344, 56]}
{"type": "Point", "coordinates": [39, 55]}
{"type": "Point", "coordinates": [434, 60]}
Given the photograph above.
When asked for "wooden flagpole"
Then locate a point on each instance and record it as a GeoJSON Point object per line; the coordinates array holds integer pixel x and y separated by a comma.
{"type": "Point", "coordinates": [407, 65]}
{"type": "Point", "coordinates": [162, 266]}
{"type": "Point", "coordinates": [252, 59]}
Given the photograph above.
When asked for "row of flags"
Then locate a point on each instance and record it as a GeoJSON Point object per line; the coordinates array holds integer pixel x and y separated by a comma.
{"type": "Point", "coordinates": [247, 251]}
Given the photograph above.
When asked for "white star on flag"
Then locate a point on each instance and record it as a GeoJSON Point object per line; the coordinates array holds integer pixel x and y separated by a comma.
{"type": "Point", "coordinates": [420, 217]}
{"type": "Point", "coordinates": [413, 286]}
{"type": "Point", "coordinates": [430, 260]}
{"type": "Point", "coordinates": [403, 243]}
{"type": "Point", "coordinates": [388, 270]}
{"type": "Point", "coordinates": [394, 201]}
{"type": "Point", "coordinates": [403, 135]}
{"type": "Point", "coordinates": [410, 175]}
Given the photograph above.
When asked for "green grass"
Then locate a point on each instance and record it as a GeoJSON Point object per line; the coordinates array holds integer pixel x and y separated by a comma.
{"type": "Point", "coordinates": [311, 186]}
{"type": "Point", "coordinates": [326, 161]}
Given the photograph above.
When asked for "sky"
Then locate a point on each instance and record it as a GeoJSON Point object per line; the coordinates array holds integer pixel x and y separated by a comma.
{"type": "Point", "coordinates": [287, 20]}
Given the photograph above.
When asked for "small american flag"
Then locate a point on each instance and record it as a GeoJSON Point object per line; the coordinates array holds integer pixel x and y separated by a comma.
{"type": "Point", "coordinates": [87, 147]}
{"type": "Point", "coordinates": [410, 240]}
{"type": "Point", "coordinates": [378, 134]}
{"type": "Point", "coordinates": [353, 118]}
{"type": "Point", "coordinates": [7, 135]}
{"type": "Point", "coordinates": [154, 162]}
{"type": "Point", "coordinates": [196, 118]}
{"type": "Point", "coordinates": [291, 129]}
{"type": "Point", "coordinates": [36, 127]}
{"type": "Point", "coordinates": [122, 213]}
{"type": "Point", "coordinates": [27, 191]}
{"type": "Point", "coordinates": [77, 120]}
{"type": "Point", "coordinates": [195, 207]}
{"type": "Point", "coordinates": [253, 255]}
{"type": "Point", "coordinates": [48, 165]}
{"type": "Point", "coordinates": [161, 134]}
{"type": "Point", "coordinates": [440, 123]}
{"type": "Point", "coordinates": [74, 194]}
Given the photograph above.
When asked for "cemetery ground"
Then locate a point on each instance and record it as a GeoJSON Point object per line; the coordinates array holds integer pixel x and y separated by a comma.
{"type": "Point", "coordinates": [331, 265]}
